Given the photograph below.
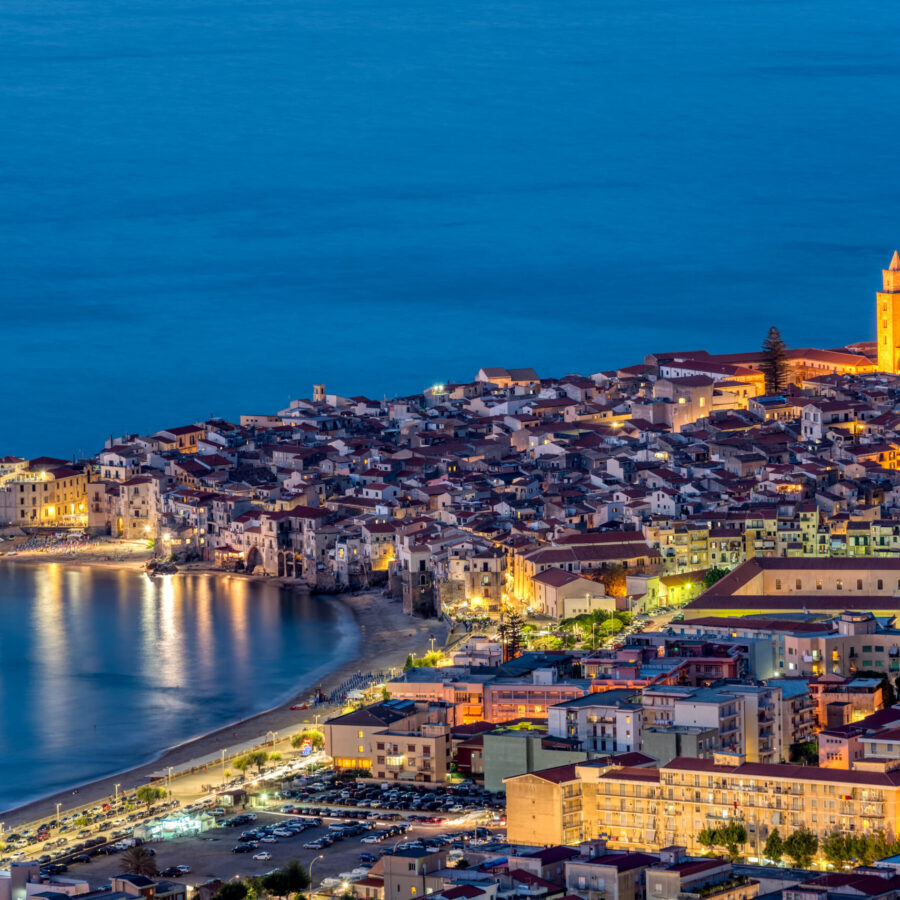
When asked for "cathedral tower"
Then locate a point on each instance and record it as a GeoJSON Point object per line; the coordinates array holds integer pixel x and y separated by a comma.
{"type": "Point", "coordinates": [888, 310]}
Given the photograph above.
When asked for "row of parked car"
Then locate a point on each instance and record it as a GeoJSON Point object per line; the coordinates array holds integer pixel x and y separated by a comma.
{"type": "Point", "coordinates": [268, 834]}
{"type": "Point", "coordinates": [362, 795]}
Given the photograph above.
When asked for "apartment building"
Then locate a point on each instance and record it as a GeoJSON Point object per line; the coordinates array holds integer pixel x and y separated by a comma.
{"type": "Point", "coordinates": [413, 736]}
{"type": "Point", "coordinates": [746, 717]}
{"type": "Point", "coordinates": [606, 722]}
{"type": "Point", "coordinates": [643, 808]}
{"type": "Point", "coordinates": [48, 493]}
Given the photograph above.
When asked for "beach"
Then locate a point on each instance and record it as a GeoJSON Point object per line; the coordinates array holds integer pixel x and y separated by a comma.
{"type": "Point", "coordinates": [385, 637]}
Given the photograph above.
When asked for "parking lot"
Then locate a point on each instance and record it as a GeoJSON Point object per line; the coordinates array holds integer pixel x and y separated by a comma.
{"type": "Point", "coordinates": [356, 819]}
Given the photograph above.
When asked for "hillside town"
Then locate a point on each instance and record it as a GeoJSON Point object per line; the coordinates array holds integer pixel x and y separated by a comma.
{"type": "Point", "coordinates": [674, 588]}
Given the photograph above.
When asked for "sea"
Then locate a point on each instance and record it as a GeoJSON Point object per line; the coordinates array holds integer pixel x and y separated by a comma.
{"type": "Point", "coordinates": [102, 670]}
{"type": "Point", "coordinates": [208, 205]}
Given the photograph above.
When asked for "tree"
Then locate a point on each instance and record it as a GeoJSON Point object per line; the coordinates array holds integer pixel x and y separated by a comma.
{"type": "Point", "coordinates": [149, 794]}
{"type": "Point", "coordinates": [774, 848]}
{"type": "Point", "coordinates": [289, 879]}
{"type": "Point", "coordinates": [510, 630]}
{"type": "Point", "coordinates": [315, 738]}
{"type": "Point", "coordinates": [137, 861]}
{"type": "Point", "coordinates": [836, 849]}
{"type": "Point", "coordinates": [801, 846]}
{"type": "Point", "coordinates": [275, 757]}
{"type": "Point", "coordinates": [732, 837]}
{"type": "Point", "coordinates": [242, 763]}
{"type": "Point", "coordinates": [716, 573]}
{"type": "Point", "coordinates": [805, 753]}
{"type": "Point", "coordinates": [707, 837]}
{"type": "Point", "coordinates": [775, 367]}
{"type": "Point", "coordinates": [257, 758]}
{"type": "Point", "coordinates": [613, 578]}
{"type": "Point", "coordinates": [409, 661]}
{"type": "Point", "coordinates": [231, 890]}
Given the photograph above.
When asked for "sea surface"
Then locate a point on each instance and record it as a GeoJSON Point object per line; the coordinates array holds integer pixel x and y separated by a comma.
{"type": "Point", "coordinates": [207, 205]}
{"type": "Point", "coordinates": [102, 670]}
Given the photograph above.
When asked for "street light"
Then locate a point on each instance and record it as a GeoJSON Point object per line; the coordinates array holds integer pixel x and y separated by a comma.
{"type": "Point", "coordinates": [117, 792]}
{"type": "Point", "coordinates": [309, 870]}
{"type": "Point", "coordinates": [58, 807]}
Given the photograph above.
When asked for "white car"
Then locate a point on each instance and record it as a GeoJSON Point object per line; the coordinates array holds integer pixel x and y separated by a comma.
{"type": "Point", "coordinates": [263, 857]}
{"type": "Point", "coordinates": [268, 839]}
{"type": "Point", "coordinates": [185, 870]}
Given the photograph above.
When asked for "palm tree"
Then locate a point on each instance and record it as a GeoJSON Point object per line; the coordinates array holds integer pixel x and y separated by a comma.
{"type": "Point", "coordinates": [137, 861]}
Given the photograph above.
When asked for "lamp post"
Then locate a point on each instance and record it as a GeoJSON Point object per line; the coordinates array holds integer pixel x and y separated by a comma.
{"type": "Point", "coordinates": [117, 792]}
{"type": "Point", "coordinates": [309, 870]}
{"type": "Point", "coordinates": [58, 807]}
{"type": "Point", "coordinates": [169, 782]}
{"type": "Point", "coordinates": [223, 765]}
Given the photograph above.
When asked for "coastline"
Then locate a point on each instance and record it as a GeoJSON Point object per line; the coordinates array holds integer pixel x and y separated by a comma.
{"type": "Point", "coordinates": [383, 634]}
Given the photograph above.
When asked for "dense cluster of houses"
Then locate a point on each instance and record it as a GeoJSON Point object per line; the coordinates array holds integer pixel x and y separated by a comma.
{"type": "Point", "coordinates": [512, 488]}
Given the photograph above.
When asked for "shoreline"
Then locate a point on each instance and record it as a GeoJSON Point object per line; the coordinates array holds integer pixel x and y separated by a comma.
{"type": "Point", "coordinates": [384, 636]}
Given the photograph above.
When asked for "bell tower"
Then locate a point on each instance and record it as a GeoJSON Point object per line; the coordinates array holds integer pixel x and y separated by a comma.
{"type": "Point", "coordinates": [888, 312]}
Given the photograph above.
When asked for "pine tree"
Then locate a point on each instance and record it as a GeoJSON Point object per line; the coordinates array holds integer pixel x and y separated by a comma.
{"type": "Point", "coordinates": [510, 630]}
{"type": "Point", "coordinates": [775, 364]}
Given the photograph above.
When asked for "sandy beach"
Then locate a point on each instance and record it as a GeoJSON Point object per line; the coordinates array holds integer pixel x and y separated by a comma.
{"type": "Point", "coordinates": [386, 636]}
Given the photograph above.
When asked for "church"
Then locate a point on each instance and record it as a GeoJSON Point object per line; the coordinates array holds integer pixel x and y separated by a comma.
{"type": "Point", "coordinates": [888, 307]}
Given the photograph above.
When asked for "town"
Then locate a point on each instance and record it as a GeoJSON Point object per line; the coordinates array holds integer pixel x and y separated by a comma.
{"type": "Point", "coordinates": [671, 592]}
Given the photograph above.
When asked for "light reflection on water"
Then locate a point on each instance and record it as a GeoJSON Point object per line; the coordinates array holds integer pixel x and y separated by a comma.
{"type": "Point", "coordinates": [101, 670]}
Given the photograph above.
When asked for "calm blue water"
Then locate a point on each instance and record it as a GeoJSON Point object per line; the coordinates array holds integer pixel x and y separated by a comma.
{"type": "Point", "coordinates": [206, 205]}
{"type": "Point", "coordinates": [101, 670]}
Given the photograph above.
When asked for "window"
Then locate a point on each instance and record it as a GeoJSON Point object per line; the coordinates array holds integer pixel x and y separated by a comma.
{"type": "Point", "coordinates": [859, 584]}
{"type": "Point", "coordinates": [839, 584]}
{"type": "Point", "coordinates": [818, 584]}
{"type": "Point", "coordinates": [777, 584]}
{"type": "Point", "coordinates": [798, 585]}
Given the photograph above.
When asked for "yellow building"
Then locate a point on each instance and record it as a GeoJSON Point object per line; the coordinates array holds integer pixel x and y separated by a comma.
{"type": "Point", "coordinates": [889, 317]}
{"type": "Point", "coordinates": [46, 494]}
{"type": "Point", "coordinates": [642, 808]}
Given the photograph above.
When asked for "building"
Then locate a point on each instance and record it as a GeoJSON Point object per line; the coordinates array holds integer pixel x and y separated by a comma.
{"type": "Point", "coordinates": [771, 585]}
{"type": "Point", "coordinates": [643, 808]}
{"type": "Point", "coordinates": [397, 740]}
{"type": "Point", "coordinates": [677, 875]}
{"type": "Point", "coordinates": [49, 493]}
{"type": "Point", "coordinates": [888, 317]}
{"type": "Point", "coordinates": [605, 722]}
